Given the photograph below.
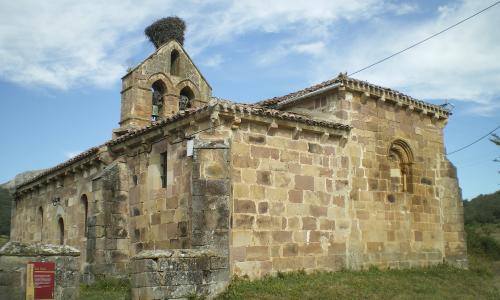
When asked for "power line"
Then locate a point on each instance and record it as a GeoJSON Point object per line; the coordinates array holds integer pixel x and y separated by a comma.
{"type": "Point", "coordinates": [426, 39]}
{"type": "Point", "coordinates": [467, 146]}
{"type": "Point", "coordinates": [473, 163]}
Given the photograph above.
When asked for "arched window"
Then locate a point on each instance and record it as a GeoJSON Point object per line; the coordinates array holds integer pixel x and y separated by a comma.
{"type": "Point", "coordinates": [40, 221]}
{"type": "Point", "coordinates": [174, 63]}
{"type": "Point", "coordinates": [185, 98]}
{"type": "Point", "coordinates": [60, 224]}
{"type": "Point", "coordinates": [400, 161]}
{"type": "Point", "coordinates": [85, 205]}
{"type": "Point", "coordinates": [158, 91]}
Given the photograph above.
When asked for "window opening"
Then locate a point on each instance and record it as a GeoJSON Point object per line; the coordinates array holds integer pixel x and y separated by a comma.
{"type": "Point", "coordinates": [163, 169]}
{"type": "Point", "coordinates": [185, 98]}
{"type": "Point", "coordinates": [174, 63]}
{"type": "Point", "coordinates": [400, 162]}
{"type": "Point", "coordinates": [158, 91]}
{"type": "Point", "coordinates": [61, 231]}
{"type": "Point", "coordinates": [40, 221]}
{"type": "Point", "coordinates": [85, 204]}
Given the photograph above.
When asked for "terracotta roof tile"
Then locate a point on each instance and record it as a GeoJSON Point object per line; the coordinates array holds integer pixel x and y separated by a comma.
{"type": "Point", "coordinates": [353, 83]}
{"type": "Point", "coordinates": [277, 114]}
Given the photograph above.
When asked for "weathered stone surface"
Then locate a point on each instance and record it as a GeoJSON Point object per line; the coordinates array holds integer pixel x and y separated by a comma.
{"type": "Point", "coordinates": [22, 249]}
{"type": "Point", "coordinates": [177, 273]}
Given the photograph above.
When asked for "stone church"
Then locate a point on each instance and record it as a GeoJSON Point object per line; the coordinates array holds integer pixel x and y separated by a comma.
{"type": "Point", "coordinates": [193, 189]}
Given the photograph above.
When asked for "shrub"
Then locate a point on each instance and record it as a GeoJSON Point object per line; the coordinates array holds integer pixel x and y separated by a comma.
{"type": "Point", "coordinates": [480, 244]}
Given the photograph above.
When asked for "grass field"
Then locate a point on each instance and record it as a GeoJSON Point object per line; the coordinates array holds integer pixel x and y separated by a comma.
{"type": "Point", "coordinates": [440, 282]}
{"type": "Point", "coordinates": [107, 290]}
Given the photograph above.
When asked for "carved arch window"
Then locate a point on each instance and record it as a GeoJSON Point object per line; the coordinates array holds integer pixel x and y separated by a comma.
{"type": "Point", "coordinates": [400, 159]}
{"type": "Point", "coordinates": [158, 90]}
{"type": "Point", "coordinates": [174, 63]}
{"type": "Point", "coordinates": [185, 98]}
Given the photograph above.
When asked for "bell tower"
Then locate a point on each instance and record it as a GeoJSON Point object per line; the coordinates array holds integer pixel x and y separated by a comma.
{"type": "Point", "coordinates": [164, 83]}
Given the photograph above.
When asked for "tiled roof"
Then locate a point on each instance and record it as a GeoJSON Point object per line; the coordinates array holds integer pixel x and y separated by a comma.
{"type": "Point", "coordinates": [252, 109]}
{"type": "Point", "coordinates": [224, 105]}
{"type": "Point", "coordinates": [154, 125]}
{"type": "Point", "coordinates": [227, 105]}
{"type": "Point", "coordinates": [356, 84]}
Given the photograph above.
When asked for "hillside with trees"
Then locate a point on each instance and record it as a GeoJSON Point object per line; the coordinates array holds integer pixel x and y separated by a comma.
{"type": "Point", "coordinates": [483, 209]}
{"type": "Point", "coordinates": [5, 201]}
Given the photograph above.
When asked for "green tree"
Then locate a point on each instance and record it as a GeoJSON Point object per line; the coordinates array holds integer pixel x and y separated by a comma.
{"type": "Point", "coordinates": [5, 201]}
{"type": "Point", "coordinates": [496, 140]}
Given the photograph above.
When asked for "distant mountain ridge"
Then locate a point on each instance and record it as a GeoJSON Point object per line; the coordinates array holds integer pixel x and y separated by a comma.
{"type": "Point", "coordinates": [6, 196]}
{"type": "Point", "coordinates": [20, 179]}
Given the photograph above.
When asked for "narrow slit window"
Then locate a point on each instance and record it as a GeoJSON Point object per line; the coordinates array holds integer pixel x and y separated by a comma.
{"type": "Point", "coordinates": [163, 169]}
{"type": "Point", "coordinates": [61, 231]}
{"type": "Point", "coordinates": [85, 204]}
{"type": "Point", "coordinates": [40, 222]}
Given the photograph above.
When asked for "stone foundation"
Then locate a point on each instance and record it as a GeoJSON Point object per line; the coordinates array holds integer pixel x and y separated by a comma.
{"type": "Point", "coordinates": [13, 259]}
{"type": "Point", "coordinates": [174, 274]}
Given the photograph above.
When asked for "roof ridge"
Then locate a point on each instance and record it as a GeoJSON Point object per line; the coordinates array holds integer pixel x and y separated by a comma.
{"type": "Point", "coordinates": [342, 78]}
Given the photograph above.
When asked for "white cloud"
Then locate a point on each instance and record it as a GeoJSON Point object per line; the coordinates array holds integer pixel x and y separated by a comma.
{"type": "Point", "coordinates": [287, 47]}
{"type": "Point", "coordinates": [462, 64]}
{"type": "Point", "coordinates": [71, 154]}
{"type": "Point", "coordinates": [314, 49]}
{"type": "Point", "coordinates": [213, 61]}
{"type": "Point", "coordinates": [62, 45]}
{"type": "Point", "coordinates": [402, 8]}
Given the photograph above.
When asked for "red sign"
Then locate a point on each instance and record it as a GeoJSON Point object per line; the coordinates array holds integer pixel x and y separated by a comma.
{"type": "Point", "coordinates": [43, 280]}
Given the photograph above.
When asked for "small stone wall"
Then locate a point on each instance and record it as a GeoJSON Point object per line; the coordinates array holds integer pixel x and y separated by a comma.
{"type": "Point", "coordinates": [174, 274]}
{"type": "Point", "coordinates": [13, 259]}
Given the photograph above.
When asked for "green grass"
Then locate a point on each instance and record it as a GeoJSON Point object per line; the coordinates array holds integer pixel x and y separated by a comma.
{"type": "Point", "coordinates": [108, 289]}
{"type": "Point", "coordinates": [439, 282]}
{"type": "Point", "coordinates": [3, 240]}
{"type": "Point", "coordinates": [481, 281]}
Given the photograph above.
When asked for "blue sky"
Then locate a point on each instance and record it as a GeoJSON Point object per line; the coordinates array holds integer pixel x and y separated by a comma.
{"type": "Point", "coordinates": [61, 64]}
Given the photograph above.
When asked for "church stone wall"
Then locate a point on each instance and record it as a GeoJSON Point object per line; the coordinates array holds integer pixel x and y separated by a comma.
{"type": "Point", "coordinates": [390, 227]}
{"type": "Point", "coordinates": [159, 216]}
{"type": "Point", "coordinates": [28, 225]}
{"type": "Point", "coordinates": [108, 238]}
{"type": "Point", "coordinates": [290, 201]}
